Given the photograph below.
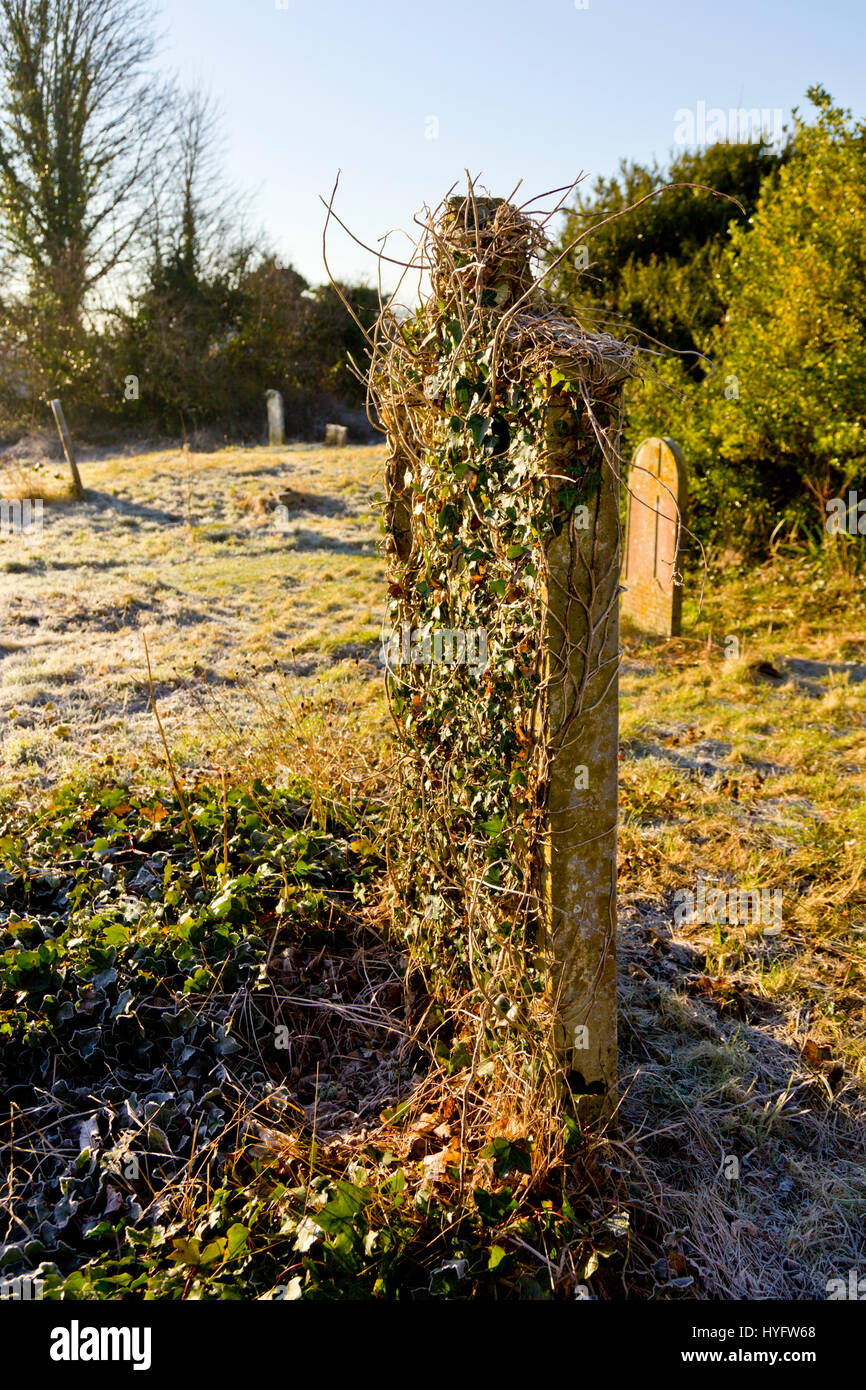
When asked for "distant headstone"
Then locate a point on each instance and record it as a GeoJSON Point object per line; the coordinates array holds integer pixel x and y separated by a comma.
{"type": "Point", "coordinates": [336, 435]}
{"type": "Point", "coordinates": [656, 504]}
{"type": "Point", "coordinates": [276, 419]}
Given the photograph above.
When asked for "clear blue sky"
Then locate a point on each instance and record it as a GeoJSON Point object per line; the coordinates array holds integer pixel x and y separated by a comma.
{"type": "Point", "coordinates": [536, 90]}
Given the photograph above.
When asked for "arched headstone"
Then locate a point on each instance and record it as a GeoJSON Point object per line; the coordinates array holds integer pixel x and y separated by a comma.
{"type": "Point", "coordinates": [656, 503]}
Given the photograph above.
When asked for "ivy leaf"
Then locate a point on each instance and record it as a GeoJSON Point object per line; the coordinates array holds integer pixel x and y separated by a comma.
{"type": "Point", "coordinates": [479, 428]}
{"type": "Point", "coordinates": [493, 1207]}
{"type": "Point", "coordinates": [212, 1252]}
{"type": "Point", "coordinates": [186, 1252]}
{"type": "Point", "coordinates": [463, 393]}
{"type": "Point", "coordinates": [493, 826]}
{"type": "Point", "coordinates": [508, 1157]}
{"type": "Point", "coordinates": [236, 1239]}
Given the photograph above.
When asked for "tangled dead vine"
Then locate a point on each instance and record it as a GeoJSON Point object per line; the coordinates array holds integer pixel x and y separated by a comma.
{"type": "Point", "coordinates": [501, 412]}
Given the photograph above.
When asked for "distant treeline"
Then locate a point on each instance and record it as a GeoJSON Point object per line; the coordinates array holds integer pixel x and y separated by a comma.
{"type": "Point", "coordinates": [753, 317]}
{"type": "Point", "coordinates": [130, 285]}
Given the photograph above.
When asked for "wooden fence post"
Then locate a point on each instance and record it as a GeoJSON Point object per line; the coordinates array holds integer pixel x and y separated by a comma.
{"type": "Point", "coordinates": [69, 451]}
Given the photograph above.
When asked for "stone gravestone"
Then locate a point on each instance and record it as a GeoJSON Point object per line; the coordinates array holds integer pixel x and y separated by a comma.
{"type": "Point", "coordinates": [336, 435]}
{"type": "Point", "coordinates": [656, 504]}
{"type": "Point", "coordinates": [276, 419]}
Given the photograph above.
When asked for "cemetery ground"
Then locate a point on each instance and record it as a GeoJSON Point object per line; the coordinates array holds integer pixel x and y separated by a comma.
{"type": "Point", "coordinates": [225, 1079]}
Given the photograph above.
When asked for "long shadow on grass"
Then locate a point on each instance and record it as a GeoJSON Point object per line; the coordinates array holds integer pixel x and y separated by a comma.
{"type": "Point", "coordinates": [746, 1152]}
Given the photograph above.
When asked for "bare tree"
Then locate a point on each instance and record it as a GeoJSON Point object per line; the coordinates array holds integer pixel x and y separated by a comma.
{"type": "Point", "coordinates": [198, 218]}
{"type": "Point", "coordinates": [81, 129]}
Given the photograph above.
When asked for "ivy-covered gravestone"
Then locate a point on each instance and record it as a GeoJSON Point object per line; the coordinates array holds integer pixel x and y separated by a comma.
{"type": "Point", "coordinates": [503, 418]}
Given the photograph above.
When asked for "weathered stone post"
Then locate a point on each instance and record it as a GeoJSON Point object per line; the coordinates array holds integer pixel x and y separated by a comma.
{"type": "Point", "coordinates": [276, 419]}
{"type": "Point", "coordinates": [581, 650]}
{"type": "Point", "coordinates": [657, 493]}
